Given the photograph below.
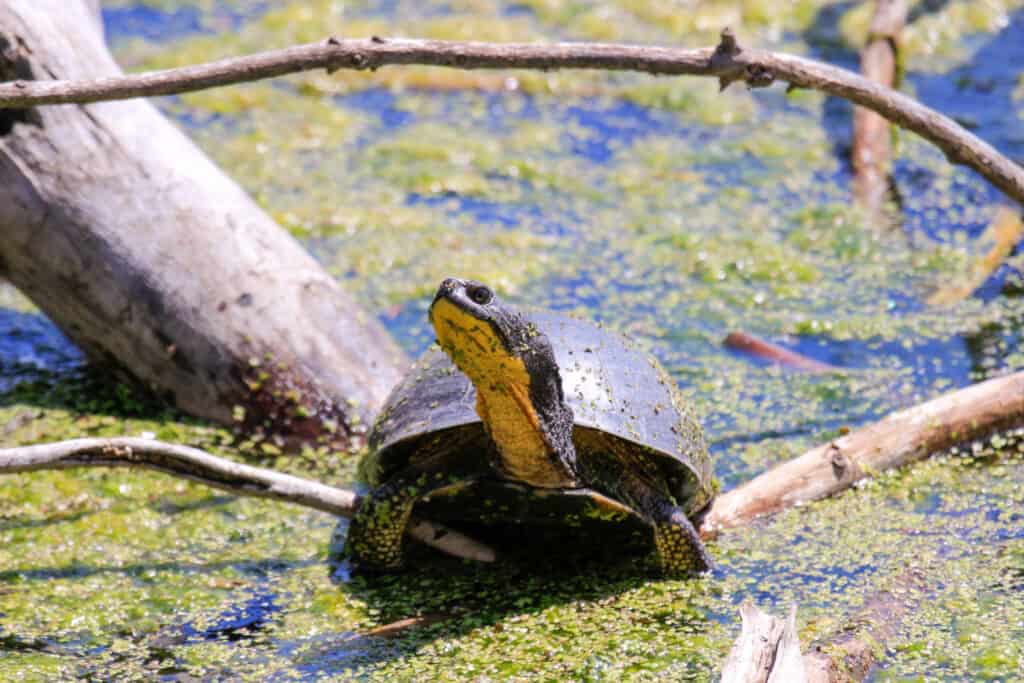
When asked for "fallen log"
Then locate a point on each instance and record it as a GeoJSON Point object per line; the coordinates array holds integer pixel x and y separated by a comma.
{"type": "Point", "coordinates": [728, 62]}
{"type": "Point", "coordinates": [226, 475]}
{"type": "Point", "coordinates": [871, 152]}
{"type": "Point", "coordinates": [152, 261]}
{"type": "Point", "coordinates": [960, 416]}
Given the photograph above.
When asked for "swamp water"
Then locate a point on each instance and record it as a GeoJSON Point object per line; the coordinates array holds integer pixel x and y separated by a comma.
{"type": "Point", "coordinates": [658, 206]}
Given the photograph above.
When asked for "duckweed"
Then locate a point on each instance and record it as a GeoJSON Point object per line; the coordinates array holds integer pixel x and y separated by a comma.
{"type": "Point", "coordinates": [656, 206]}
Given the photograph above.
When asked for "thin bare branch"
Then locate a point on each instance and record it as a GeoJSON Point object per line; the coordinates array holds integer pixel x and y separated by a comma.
{"type": "Point", "coordinates": [244, 480]}
{"type": "Point", "coordinates": [903, 437]}
{"type": "Point", "coordinates": [728, 62]}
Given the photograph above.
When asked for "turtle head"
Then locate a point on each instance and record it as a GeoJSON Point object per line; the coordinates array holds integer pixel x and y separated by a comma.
{"type": "Point", "coordinates": [512, 365]}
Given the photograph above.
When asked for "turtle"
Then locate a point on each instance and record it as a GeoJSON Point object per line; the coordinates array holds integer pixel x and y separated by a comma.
{"type": "Point", "coordinates": [546, 413]}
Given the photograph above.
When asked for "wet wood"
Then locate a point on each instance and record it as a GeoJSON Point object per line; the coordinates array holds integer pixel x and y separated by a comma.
{"type": "Point", "coordinates": [765, 350]}
{"type": "Point", "coordinates": [154, 262]}
{"type": "Point", "coordinates": [226, 475]}
{"type": "Point", "coordinates": [871, 152]}
{"type": "Point", "coordinates": [961, 416]}
{"type": "Point", "coordinates": [728, 62]}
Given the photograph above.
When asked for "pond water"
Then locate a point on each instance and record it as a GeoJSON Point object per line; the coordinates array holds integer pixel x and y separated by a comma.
{"type": "Point", "coordinates": [661, 207]}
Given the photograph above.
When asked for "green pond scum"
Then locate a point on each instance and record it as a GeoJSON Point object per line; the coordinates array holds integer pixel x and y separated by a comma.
{"type": "Point", "coordinates": [658, 206]}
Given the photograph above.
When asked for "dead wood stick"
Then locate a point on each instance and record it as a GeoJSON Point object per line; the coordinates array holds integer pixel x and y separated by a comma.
{"type": "Point", "coordinates": [728, 62]}
{"type": "Point", "coordinates": [871, 154]}
{"type": "Point", "coordinates": [245, 480]}
{"type": "Point", "coordinates": [768, 651]}
{"type": "Point", "coordinates": [747, 343]}
{"type": "Point", "coordinates": [853, 651]}
{"type": "Point", "coordinates": [903, 437]}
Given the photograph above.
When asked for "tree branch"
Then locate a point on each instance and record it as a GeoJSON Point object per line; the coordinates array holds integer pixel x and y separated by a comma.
{"type": "Point", "coordinates": [244, 480]}
{"type": "Point", "coordinates": [728, 62]}
{"type": "Point", "coordinates": [960, 416]}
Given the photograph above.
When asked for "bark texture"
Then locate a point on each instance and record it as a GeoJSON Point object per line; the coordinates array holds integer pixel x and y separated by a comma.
{"type": "Point", "coordinates": [152, 260]}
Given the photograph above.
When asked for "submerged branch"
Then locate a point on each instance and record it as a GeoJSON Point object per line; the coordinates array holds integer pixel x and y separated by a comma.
{"type": "Point", "coordinates": [773, 353]}
{"type": "Point", "coordinates": [974, 412]}
{"type": "Point", "coordinates": [871, 152]}
{"type": "Point", "coordinates": [768, 649]}
{"type": "Point", "coordinates": [245, 480]}
{"type": "Point", "coordinates": [1004, 233]}
{"type": "Point", "coordinates": [850, 654]}
{"type": "Point", "coordinates": [728, 62]}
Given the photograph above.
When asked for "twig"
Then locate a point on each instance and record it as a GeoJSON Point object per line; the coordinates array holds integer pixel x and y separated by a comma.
{"type": "Point", "coordinates": [871, 153]}
{"type": "Point", "coordinates": [245, 480]}
{"type": "Point", "coordinates": [728, 62]}
{"type": "Point", "coordinates": [1004, 232]}
{"type": "Point", "coordinates": [398, 628]}
{"type": "Point", "coordinates": [747, 343]}
{"type": "Point", "coordinates": [903, 437]}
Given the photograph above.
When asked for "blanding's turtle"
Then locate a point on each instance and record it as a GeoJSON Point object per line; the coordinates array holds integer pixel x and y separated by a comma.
{"type": "Point", "coordinates": [555, 410]}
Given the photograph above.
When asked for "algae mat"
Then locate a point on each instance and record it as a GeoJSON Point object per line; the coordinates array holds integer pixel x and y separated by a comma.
{"type": "Point", "coordinates": [658, 206]}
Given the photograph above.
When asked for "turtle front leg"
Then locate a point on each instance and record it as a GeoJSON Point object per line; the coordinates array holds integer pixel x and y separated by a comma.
{"type": "Point", "coordinates": [680, 550]}
{"type": "Point", "coordinates": [374, 539]}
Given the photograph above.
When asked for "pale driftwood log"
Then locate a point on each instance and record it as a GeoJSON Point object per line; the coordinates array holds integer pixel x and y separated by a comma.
{"type": "Point", "coordinates": [957, 417]}
{"type": "Point", "coordinates": [766, 651]}
{"type": "Point", "coordinates": [871, 151]}
{"type": "Point", "coordinates": [245, 480]}
{"type": "Point", "coordinates": [151, 259]}
{"type": "Point", "coordinates": [728, 62]}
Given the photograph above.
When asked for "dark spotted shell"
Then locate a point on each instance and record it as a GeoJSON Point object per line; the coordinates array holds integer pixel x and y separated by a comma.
{"type": "Point", "coordinates": [612, 387]}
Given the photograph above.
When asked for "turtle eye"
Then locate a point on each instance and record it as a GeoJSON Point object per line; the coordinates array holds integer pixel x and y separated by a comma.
{"type": "Point", "coordinates": [479, 294]}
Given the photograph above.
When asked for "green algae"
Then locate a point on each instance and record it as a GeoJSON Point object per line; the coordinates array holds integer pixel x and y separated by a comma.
{"type": "Point", "coordinates": [672, 236]}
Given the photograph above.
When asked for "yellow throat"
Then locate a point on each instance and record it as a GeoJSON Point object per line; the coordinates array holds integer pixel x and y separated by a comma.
{"type": "Point", "coordinates": [502, 395]}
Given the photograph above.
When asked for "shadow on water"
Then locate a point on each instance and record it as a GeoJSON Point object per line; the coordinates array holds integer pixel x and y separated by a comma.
{"type": "Point", "coordinates": [40, 367]}
{"type": "Point", "coordinates": [451, 598]}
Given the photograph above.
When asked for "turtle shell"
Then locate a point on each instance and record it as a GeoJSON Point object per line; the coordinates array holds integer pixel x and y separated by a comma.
{"type": "Point", "coordinates": [612, 386]}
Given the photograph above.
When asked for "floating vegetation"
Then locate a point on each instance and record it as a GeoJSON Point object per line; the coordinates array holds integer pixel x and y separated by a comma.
{"type": "Point", "coordinates": [655, 205]}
